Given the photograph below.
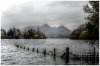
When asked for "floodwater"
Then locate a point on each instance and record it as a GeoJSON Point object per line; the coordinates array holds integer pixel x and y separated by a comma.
{"type": "Point", "coordinates": [12, 55]}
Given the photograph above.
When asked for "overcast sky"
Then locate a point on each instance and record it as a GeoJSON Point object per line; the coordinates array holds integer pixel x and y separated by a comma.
{"type": "Point", "coordinates": [21, 13]}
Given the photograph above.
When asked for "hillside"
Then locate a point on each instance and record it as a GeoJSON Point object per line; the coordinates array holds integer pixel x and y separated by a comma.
{"type": "Point", "coordinates": [52, 32]}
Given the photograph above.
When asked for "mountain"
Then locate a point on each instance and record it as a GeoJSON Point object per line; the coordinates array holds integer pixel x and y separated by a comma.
{"type": "Point", "coordinates": [62, 32]}
{"type": "Point", "coordinates": [29, 27]}
{"type": "Point", "coordinates": [52, 32]}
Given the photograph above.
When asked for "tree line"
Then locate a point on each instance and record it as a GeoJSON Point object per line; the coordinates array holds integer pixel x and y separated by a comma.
{"type": "Point", "coordinates": [14, 33]}
{"type": "Point", "coordinates": [89, 30]}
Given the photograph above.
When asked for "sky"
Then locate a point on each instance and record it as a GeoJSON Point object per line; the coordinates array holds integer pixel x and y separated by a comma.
{"type": "Point", "coordinates": [23, 13]}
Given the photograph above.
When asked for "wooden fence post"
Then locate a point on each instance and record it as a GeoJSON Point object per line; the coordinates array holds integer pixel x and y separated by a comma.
{"type": "Point", "coordinates": [44, 52]}
{"type": "Point", "coordinates": [33, 49]}
{"type": "Point", "coordinates": [94, 56]}
{"type": "Point", "coordinates": [54, 55]}
{"type": "Point", "coordinates": [24, 47]}
{"type": "Point", "coordinates": [37, 50]}
{"type": "Point", "coordinates": [18, 46]}
{"type": "Point", "coordinates": [54, 51]}
{"type": "Point", "coordinates": [67, 54]}
{"type": "Point", "coordinates": [28, 48]}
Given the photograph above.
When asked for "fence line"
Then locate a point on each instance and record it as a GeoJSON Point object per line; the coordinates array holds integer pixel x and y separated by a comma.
{"type": "Point", "coordinates": [88, 56]}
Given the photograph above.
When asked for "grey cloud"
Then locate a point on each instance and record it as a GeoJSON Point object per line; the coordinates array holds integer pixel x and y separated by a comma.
{"type": "Point", "coordinates": [68, 13]}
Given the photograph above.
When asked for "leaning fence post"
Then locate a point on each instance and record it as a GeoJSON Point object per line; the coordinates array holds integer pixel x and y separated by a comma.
{"type": "Point", "coordinates": [66, 55]}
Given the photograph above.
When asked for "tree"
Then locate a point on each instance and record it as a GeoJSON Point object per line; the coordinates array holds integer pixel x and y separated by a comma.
{"type": "Point", "coordinates": [3, 33]}
{"type": "Point", "coordinates": [89, 30]}
{"type": "Point", "coordinates": [93, 18]}
{"type": "Point", "coordinates": [14, 33]}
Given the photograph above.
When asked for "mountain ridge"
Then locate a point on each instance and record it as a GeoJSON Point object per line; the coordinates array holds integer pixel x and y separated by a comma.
{"type": "Point", "coordinates": [51, 32]}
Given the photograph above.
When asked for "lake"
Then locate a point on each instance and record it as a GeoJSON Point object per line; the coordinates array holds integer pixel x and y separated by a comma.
{"type": "Point", "coordinates": [12, 55]}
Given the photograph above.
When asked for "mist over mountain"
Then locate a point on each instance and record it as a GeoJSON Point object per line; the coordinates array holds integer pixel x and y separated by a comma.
{"type": "Point", "coordinates": [51, 32]}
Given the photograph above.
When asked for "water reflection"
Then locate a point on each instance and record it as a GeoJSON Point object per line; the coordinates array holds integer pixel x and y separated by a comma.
{"type": "Point", "coordinates": [38, 51]}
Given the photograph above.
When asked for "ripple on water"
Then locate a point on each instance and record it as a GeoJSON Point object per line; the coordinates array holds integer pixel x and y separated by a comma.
{"type": "Point", "coordinates": [11, 55]}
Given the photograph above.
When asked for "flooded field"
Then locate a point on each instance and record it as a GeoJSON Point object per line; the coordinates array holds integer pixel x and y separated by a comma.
{"type": "Point", "coordinates": [12, 55]}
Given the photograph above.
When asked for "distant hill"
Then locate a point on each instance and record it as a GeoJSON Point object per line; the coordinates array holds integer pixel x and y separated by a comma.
{"type": "Point", "coordinates": [51, 32]}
